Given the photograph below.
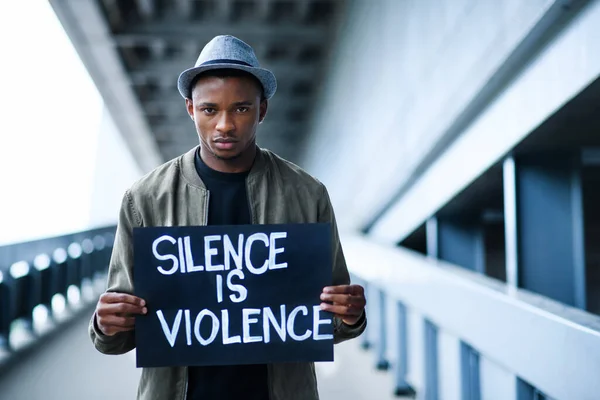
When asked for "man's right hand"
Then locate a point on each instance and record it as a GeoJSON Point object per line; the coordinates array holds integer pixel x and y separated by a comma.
{"type": "Point", "coordinates": [116, 312]}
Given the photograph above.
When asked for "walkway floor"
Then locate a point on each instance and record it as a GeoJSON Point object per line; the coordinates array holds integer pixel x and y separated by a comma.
{"type": "Point", "coordinates": [67, 367]}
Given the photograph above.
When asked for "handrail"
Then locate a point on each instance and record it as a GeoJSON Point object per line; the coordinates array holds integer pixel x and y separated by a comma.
{"type": "Point", "coordinates": [554, 347]}
{"type": "Point", "coordinates": [32, 273]}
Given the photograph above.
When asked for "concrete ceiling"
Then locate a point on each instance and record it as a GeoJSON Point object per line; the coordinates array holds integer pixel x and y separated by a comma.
{"type": "Point", "coordinates": [134, 51]}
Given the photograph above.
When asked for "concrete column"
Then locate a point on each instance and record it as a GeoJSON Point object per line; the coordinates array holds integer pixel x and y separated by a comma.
{"type": "Point", "coordinates": [382, 362]}
{"type": "Point", "coordinates": [403, 388]}
{"type": "Point", "coordinates": [470, 376]}
{"type": "Point", "coordinates": [510, 221]}
{"type": "Point", "coordinates": [431, 361]}
{"type": "Point", "coordinates": [460, 242]}
{"type": "Point", "coordinates": [549, 210]}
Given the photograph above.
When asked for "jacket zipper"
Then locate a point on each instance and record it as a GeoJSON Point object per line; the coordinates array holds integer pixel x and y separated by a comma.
{"type": "Point", "coordinates": [186, 384]}
{"type": "Point", "coordinates": [187, 376]}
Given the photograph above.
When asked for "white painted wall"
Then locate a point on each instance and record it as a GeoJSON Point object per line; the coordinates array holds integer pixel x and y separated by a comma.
{"type": "Point", "coordinates": [568, 64]}
{"type": "Point", "coordinates": [449, 366]}
{"type": "Point", "coordinates": [496, 382]}
{"type": "Point", "coordinates": [392, 331]}
{"type": "Point", "coordinates": [402, 72]}
{"type": "Point", "coordinates": [416, 351]}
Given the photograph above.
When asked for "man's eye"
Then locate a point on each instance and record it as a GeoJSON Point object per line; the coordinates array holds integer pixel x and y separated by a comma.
{"type": "Point", "coordinates": [243, 109]}
{"type": "Point", "coordinates": [208, 110]}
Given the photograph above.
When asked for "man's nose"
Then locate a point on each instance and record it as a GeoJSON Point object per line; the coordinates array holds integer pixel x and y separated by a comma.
{"type": "Point", "coordinates": [225, 123]}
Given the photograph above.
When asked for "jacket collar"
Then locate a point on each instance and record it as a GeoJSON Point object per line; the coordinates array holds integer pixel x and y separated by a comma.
{"type": "Point", "coordinates": [189, 173]}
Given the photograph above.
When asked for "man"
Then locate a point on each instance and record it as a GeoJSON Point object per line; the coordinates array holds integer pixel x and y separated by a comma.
{"type": "Point", "coordinates": [225, 180]}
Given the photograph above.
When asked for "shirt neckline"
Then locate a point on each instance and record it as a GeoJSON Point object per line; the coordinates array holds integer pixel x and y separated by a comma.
{"type": "Point", "coordinates": [205, 171]}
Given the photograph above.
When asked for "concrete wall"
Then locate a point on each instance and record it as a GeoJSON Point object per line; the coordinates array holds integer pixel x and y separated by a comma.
{"type": "Point", "coordinates": [564, 63]}
{"type": "Point", "coordinates": [402, 73]}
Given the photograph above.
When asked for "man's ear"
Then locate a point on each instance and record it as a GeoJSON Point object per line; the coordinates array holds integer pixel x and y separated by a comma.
{"type": "Point", "coordinates": [264, 105]}
{"type": "Point", "coordinates": [189, 106]}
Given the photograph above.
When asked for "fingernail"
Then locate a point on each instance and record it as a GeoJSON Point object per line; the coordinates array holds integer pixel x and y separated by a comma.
{"type": "Point", "coordinates": [143, 303]}
{"type": "Point", "coordinates": [145, 310]}
{"type": "Point", "coordinates": [322, 306]}
{"type": "Point", "coordinates": [323, 296]}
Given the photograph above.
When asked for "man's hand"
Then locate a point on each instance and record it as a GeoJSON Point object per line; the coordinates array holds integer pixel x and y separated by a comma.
{"type": "Point", "coordinates": [115, 312]}
{"type": "Point", "coordinates": [347, 302]}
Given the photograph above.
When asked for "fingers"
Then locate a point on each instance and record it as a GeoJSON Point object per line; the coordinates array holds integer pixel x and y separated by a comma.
{"type": "Point", "coordinates": [347, 302]}
{"type": "Point", "coordinates": [115, 321]}
{"type": "Point", "coordinates": [111, 324]}
{"type": "Point", "coordinates": [111, 330]}
{"type": "Point", "coordinates": [122, 298]}
{"type": "Point", "coordinates": [344, 299]}
{"type": "Point", "coordinates": [342, 311]}
{"type": "Point", "coordinates": [355, 290]}
{"type": "Point", "coordinates": [120, 308]}
{"type": "Point", "coordinates": [115, 312]}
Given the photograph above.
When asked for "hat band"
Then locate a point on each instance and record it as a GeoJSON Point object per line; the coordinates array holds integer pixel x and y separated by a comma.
{"type": "Point", "coordinates": [226, 61]}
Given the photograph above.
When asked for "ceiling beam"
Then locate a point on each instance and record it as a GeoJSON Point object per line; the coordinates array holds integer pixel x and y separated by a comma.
{"type": "Point", "coordinates": [83, 20]}
{"type": "Point", "coordinates": [264, 8]}
{"type": "Point", "coordinates": [165, 74]}
{"type": "Point", "coordinates": [278, 145]}
{"type": "Point", "coordinates": [224, 10]}
{"type": "Point", "coordinates": [177, 29]}
{"type": "Point", "coordinates": [147, 9]}
{"type": "Point", "coordinates": [184, 124]}
{"type": "Point", "coordinates": [303, 8]}
{"type": "Point", "coordinates": [184, 8]}
{"type": "Point", "coordinates": [115, 18]}
{"type": "Point", "coordinates": [174, 104]}
{"type": "Point", "coordinates": [174, 132]}
{"type": "Point", "coordinates": [159, 68]}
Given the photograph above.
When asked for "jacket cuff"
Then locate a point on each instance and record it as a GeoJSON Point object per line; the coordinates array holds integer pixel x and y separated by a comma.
{"type": "Point", "coordinates": [358, 326]}
{"type": "Point", "coordinates": [105, 344]}
{"type": "Point", "coordinates": [344, 331]}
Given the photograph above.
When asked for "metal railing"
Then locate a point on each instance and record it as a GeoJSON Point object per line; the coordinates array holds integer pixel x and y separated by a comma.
{"type": "Point", "coordinates": [546, 346]}
{"type": "Point", "coordinates": [33, 274]}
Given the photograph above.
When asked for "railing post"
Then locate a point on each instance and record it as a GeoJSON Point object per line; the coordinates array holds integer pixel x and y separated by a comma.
{"type": "Point", "coordinates": [382, 362]}
{"type": "Point", "coordinates": [59, 274]}
{"type": "Point", "coordinates": [26, 292]}
{"type": "Point", "coordinates": [431, 361]}
{"type": "Point", "coordinates": [42, 263]}
{"type": "Point", "coordinates": [470, 379]}
{"type": "Point", "coordinates": [402, 386]}
{"type": "Point", "coordinates": [365, 344]}
{"type": "Point", "coordinates": [86, 266]}
{"type": "Point", "coordinates": [6, 307]}
{"type": "Point", "coordinates": [101, 259]}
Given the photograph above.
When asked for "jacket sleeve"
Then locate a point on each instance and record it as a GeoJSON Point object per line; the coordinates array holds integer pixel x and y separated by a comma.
{"type": "Point", "coordinates": [120, 278]}
{"type": "Point", "coordinates": [340, 275]}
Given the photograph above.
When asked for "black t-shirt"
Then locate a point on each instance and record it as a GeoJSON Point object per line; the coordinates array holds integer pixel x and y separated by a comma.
{"type": "Point", "coordinates": [227, 205]}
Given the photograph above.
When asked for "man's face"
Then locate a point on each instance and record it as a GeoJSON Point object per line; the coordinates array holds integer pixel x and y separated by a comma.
{"type": "Point", "coordinates": [226, 112]}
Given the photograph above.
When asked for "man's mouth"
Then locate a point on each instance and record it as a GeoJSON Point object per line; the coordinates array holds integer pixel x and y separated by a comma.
{"type": "Point", "coordinates": [225, 140]}
{"type": "Point", "coordinates": [225, 144]}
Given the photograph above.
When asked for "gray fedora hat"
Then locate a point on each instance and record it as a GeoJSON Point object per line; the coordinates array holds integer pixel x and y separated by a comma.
{"type": "Point", "coordinates": [228, 52]}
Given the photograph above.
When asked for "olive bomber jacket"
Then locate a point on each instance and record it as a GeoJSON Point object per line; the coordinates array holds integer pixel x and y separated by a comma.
{"type": "Point", "coordinates": [278, 192]}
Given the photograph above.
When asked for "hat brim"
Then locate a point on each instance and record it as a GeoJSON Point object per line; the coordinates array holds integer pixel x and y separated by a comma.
{"type": "Point", "coordinates": [266, 77]}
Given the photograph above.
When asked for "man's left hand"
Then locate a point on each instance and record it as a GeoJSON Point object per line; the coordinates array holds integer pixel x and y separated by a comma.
{"type": "Point", "coordinates": [347, 302]}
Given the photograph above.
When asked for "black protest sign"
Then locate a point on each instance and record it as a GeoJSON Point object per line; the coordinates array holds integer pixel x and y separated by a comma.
{"type": "Point", "coordinates": [224, 295]}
